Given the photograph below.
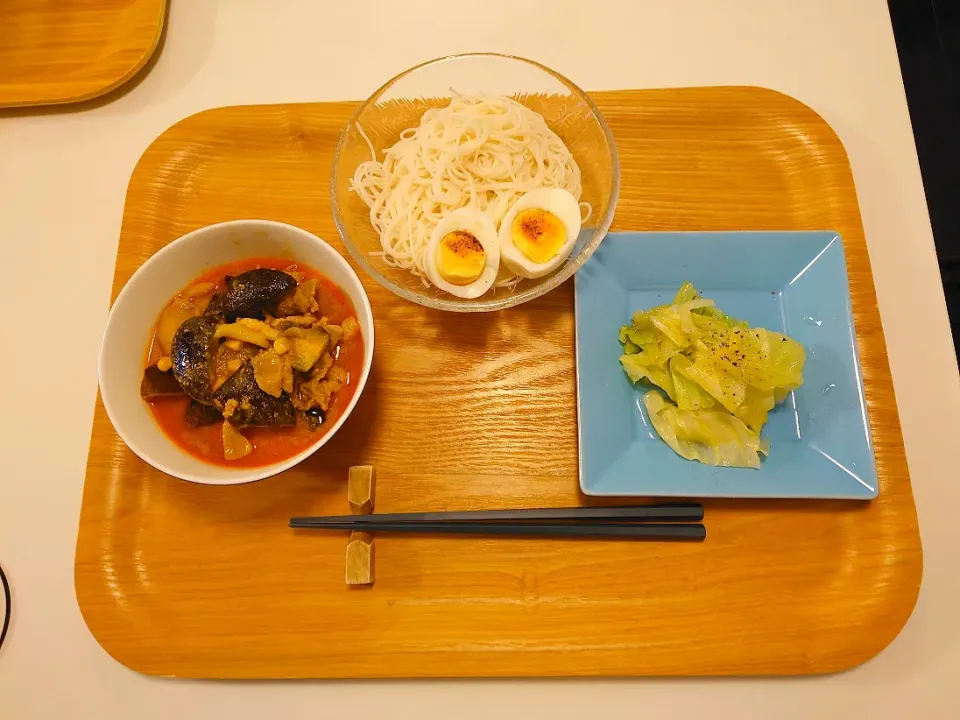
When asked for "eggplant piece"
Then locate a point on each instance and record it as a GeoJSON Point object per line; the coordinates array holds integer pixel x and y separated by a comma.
{"type": "Point", "coordinates": [250, 294]}
{"type": "Point", "coordinates": [191, 353]}
{"type": "Point", "coordinates": [255, 408]}
{"type": "Point", "coordinates": [157, 383]}
{"type": "Point", "coordinates": [199, 415]}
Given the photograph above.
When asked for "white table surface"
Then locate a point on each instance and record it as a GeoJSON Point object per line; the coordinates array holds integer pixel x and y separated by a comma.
{"type": "Point", "coordinates": [62, 182]}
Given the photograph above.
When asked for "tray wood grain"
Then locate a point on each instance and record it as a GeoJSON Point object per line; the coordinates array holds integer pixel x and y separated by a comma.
{"type": "Point", "coordinates": [62, 51]}
{"type": "Point", "coordinates": [479, 412]}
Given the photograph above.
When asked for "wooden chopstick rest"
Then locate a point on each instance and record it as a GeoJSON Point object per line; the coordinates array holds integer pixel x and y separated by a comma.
{"type": "Point", "coordinates": [361, 486]}
{"type": "Point", "coordinates": [361, 493]}
{"type": "Point", "coordinates": [360, 556]}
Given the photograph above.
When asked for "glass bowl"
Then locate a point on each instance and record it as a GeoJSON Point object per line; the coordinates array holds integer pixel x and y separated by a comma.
{"type": "Point", "coordinates": [400, 103]}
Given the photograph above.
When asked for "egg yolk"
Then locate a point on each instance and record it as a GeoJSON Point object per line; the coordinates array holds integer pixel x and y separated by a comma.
{"type": "Point", "coordinates": [460, 258]}
{"type": "Point", "coordinates": [538, 234]}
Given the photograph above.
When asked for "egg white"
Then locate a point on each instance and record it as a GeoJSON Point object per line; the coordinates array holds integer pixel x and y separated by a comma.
{"type": "Point", "coordinates": [482, 228]}
{"type": "Point", "coordinates": [553, 200]}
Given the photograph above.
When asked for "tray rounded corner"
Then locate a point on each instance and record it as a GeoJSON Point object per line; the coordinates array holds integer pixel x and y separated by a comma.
{"type": "Point", "coordinates": [130, 72]}
{"type": "Point", "coordinates": [115, 651]}
{"type": "Point", "coordinates": [182, 126]}
{"type": "Point", "coordinates": [895, 624]}
{"type": "Point", "coordinates": [92, 90]}
{"type": "Point", "coordinates": [812, 116]}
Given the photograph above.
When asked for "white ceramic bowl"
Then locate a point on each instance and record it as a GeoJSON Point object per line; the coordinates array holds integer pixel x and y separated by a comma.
{"type": "Point", "coordinates": [135, 312]}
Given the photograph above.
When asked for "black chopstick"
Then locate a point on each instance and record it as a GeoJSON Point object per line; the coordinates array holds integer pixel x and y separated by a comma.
{"type": "Point", "coordinates": [680, 512]}
{"type": "Point", "coordinates": [636, 531]}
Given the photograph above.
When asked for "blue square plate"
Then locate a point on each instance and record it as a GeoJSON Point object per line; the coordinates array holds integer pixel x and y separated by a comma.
{"type": "Point", "coordinates": [793, 282]}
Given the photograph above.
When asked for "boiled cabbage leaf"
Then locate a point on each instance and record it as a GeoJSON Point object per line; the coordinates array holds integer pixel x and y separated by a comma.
{"type": "Point", "coordinates": [713, 437]}
{"type": "Point", "coordinates": [687, 393]}
{"type": "Point", "coordinates": [637, 370]}
{"type": "Point", "coordinates": [721, 376]}
{"type": "Point", "coordinates": [761, 358]}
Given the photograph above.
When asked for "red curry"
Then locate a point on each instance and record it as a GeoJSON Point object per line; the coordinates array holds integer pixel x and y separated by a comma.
{"type": "Point", "coordinates": [270, 445]}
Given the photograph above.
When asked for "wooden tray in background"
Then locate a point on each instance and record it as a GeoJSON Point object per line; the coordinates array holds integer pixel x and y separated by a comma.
{"type": "Point", "coordinates": [62, 51]}
{"type": "Point", "coordinates": [479, 412]}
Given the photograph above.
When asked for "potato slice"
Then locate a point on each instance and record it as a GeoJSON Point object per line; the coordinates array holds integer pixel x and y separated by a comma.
{"type": "Point", "coordinates": [199, 290]}
{"type": "Point", "coordinates": [202, 302]}
{"type": "Point", "coordinates": [235, 445]}
{"type": "Point", "coordinates": [268, 372]}
{"type": "Point", "coordinates": [173, 316]}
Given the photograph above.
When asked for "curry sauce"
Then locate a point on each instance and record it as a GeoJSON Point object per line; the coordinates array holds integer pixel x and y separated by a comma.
{"type": "Point", "coordinates": [269, 444]}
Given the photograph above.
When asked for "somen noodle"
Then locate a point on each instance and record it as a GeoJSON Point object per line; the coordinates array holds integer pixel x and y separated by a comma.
{"type": "Point", "coordinates": [483, 152]}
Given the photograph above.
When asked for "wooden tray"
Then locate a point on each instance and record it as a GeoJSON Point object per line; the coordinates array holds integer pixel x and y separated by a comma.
{"type": "Point", "coordinates": [61, 51]}
{"type": "Point", "coordinates": [479, 412]}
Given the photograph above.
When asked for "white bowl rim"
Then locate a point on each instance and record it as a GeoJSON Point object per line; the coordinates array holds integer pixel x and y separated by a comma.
{"type": "Point", "coordinates": [244, 475]}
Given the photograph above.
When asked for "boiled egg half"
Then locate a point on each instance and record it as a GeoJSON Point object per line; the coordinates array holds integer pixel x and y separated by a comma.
{"type": "Point", "coordinates": [463, 255]}
{"type": "Point", "coordinates": [538, 232]}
